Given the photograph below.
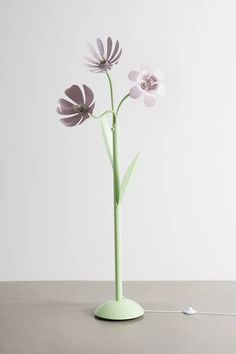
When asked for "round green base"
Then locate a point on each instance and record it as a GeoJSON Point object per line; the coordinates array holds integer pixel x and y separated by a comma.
{"type": "Point", "coordinates": [118, 310]}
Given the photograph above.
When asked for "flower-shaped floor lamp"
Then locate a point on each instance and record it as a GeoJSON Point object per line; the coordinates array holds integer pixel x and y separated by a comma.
{"type": "Point", "coordinates": [146, 84]}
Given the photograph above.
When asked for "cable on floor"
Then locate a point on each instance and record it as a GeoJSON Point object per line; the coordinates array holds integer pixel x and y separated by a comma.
{"type": "Point", "coordinates": [191, 311]}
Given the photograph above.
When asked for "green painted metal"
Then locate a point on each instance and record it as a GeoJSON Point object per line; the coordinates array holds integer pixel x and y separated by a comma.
{"type": "Point", "coordinates": [120, 308]}
{"type": "Point", "coordinates": [106, 133]}
{"type": "Point", "coordinates": [123, 309]}
{"type": "Point", "coordinates": [127, 177]}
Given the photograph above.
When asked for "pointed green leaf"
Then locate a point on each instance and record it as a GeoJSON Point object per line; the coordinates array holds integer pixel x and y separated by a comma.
{"type": "Point", "coordinates": [107, 137]}
{"type": "Point", "coordinates": [127, 176]}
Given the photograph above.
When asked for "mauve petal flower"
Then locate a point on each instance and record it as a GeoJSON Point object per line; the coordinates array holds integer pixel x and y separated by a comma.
{"type": "Point", "coordinates": [105, 57]}
{"type": "Point", "coordinates": [133, 75]}
{"type": "Point", "coordinates": [135, 92]}
{"type": "Point", "coordinates": [75, 94]}
{"type": "Point", "coordinates": [100, 47]}
{"type": "Point", "coordinates": [109, 47]}
{"type": "Point", "coordinates": [82, 108]}
{"type": "Point", "coordinates": [149, 100]}
{"type": "Point", "coordinates": [147, 83]}
{"type": "Point", "coordinates": [161, 90]}
{"type": "Point", "coordinates": [89, 96]}
{"type": "Point", "coordinates": [65, 107]}
{"type": "Point", "coordinates": [71, 121]}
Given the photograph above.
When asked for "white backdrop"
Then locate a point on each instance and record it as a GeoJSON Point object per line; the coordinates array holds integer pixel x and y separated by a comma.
{"type": "Point", "coordinates": [56, 183]}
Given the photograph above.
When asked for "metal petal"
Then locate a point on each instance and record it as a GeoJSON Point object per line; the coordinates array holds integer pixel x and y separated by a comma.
{"type": "Point", "coordinates": [100, 47]}
{"type": "Point", "coordinates": [65, 107]}
{"type": "Point", "coordinates": [115, 51]}
{"type": "Point", "coordinates": [109, 47]}
{"type": "Point", "coordinates": [135, 92]}
{"type": "Point", "coordinates": [91, 108]}
{"type": "Point", "coordinates": [133, 75]}
{"type": "Point", "coordinates": [149, 100]}
{"type": "Point", "coordinates": [75, 94]}
{"type": "Point", "coordinates": [91, 60]}
{"type": "Point", "coordinates": [94, 53]}
{"type": "Point", "coordinates": [71, 121]}
{"type": "Point", "coordinates": [89, 96]}
{"type": "Point", "coordinates": [115, 60]}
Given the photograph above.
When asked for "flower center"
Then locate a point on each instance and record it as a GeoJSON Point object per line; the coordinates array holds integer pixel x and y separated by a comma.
{"type": "Point", "coordinates": [103, 62]}
{"type": "Point", "coordinates": [149, 83]}
{"type": "Point", "coordinates": [80, 108]}
{"type": "Point", "coordinates": [144, 85]}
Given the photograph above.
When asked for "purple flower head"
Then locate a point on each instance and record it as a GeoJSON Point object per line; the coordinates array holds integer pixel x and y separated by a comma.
{"type": "Point", "coordinates": [148, 84]}
{"type": "Point", "coordinates": [101, 60]}
{"type": "Point", "coordinates": [79, 110]}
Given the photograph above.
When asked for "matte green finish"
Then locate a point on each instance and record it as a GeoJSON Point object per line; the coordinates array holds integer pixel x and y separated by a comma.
{"type": "Point", "coordinates": [120, 308]}
{"type": "Point", "coordinates": [123, 309]}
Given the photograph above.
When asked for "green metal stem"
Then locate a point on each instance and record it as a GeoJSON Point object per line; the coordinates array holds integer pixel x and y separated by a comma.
{"type": "Point", "coordinates": [121, 102]}
{"type": "Point", "coordinates": [116, 187]}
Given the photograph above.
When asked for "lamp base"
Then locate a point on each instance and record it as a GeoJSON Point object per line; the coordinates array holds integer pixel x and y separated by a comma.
{"type": "Point", "coordinates": [118, 310]}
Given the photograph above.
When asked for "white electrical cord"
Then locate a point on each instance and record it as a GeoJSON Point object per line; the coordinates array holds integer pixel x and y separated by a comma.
{"type": "Point", "coordinates": [190, 311]}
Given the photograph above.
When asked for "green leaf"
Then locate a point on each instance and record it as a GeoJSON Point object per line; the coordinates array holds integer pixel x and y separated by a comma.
{"type": "Point", "coordinates": [107, 137]}
{"type": "Point", "coordinates": [127, 176]}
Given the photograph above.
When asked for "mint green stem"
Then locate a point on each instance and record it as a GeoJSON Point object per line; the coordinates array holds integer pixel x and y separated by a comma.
{"type": "Point", "coordinates": [101, 115]}
{"type": "Point", "coordinates": [116, 188]}
{"type": "Point", "coordinates": [121, 102]}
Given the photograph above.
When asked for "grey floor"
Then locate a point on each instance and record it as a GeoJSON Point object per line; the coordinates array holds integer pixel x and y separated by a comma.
{"type": "Point", "coordinates": [57, 318]}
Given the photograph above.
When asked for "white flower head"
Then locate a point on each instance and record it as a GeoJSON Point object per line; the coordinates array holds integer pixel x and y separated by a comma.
{"type": "Point", "coordinates": [147, 83]}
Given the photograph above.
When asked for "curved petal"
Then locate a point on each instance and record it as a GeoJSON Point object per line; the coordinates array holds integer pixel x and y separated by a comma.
{"type": "Point", "coordinates": [161, 90]}
{"type": "Point", "coordinates": [109, 47]}
{"type": "Point", "coordinates": [115, 51]}
{"type": "Point", "coordinates": [71, 121]}
{"type": "Point", "coordinates": [100, 47]}
{"type": "Point", "coordinates": [75, 94]}
{"type": "Point", "coordinates": [91, 108]}
{"type": "Point", "coordinates": [86, 116]}
{"type": "Point", "coordinates": [133, 75]}
{"type": "Point", "coordinates": [135, 92]}
{"type": "Point", "coordinates": [89, 96]}
{"type": "Point", "coordinates": [93, 52]}
{"type": "Point", "coordinates": [65, 107]}
{"type": "Point", "coordinates": [115, 60]}
{"type": "Point", "coordinates": [91, 60]}
{"type": "Point", "coordinates": [149, 100]}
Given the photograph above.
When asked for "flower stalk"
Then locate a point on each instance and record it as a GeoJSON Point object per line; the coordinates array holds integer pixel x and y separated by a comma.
{"type": "Point", "coordinates": [116, 192]}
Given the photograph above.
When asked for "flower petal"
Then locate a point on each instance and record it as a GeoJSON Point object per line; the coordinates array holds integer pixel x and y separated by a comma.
{"type": "Point", "coordinates": [91, 60]}
{"type": "Point", "coordinates": [89, 96]}
{"type": "Point", "coordinates": [115, 51]}
{"type": "Point", "coordinates": [109, 47]}
{"type": "Point", "coordinates": [75, 94]}
{"type": "Point", "coordinates": [91, 108]}
{"type": "Point", "coordinates": [135, 92]}
{"type": "Point", "coordinates": [161, 90]}
{"type": "Point", "coordinates": [133, 75]}
{"type": "Point", "coordinates": [71, 121]}
{"type": "Point", "coordinates": [115, 60]}
{"type": "Point", "coordinates": [93, 52]}
{"type": "Point", "coordinates": [149, 100]}
{"type": "Point", "coordinates": [100, 47]}
{"type": "Point", "coordinates": [65, 107]}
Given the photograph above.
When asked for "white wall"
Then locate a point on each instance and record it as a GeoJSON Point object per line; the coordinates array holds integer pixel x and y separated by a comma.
{"type": "Point", "coordinates": [56, 187]}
